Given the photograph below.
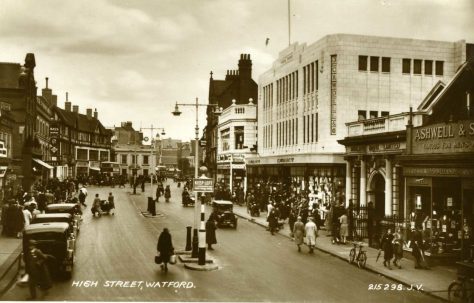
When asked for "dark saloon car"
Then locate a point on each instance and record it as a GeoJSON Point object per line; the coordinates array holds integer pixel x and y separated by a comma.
{"type": "Point", "coordinates": [66, 208]}
{"type": "Point", "coordinates": [223, 213]}
{"type": "Point", "coordinates": [54, 239]}
{"type": "Point", "coordinates": [58, 217]}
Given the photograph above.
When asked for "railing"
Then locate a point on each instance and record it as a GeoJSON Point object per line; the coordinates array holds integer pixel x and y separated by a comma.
{"type": "Point", "coordinates": [382, 124]}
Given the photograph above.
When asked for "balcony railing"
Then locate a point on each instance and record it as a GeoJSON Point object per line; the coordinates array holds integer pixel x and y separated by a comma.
{"type": "Point", "coordinates": [392, 123]}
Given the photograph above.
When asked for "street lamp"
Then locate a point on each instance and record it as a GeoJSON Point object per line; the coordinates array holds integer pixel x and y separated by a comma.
{"type": "Point", "coordinates": [197, 206]}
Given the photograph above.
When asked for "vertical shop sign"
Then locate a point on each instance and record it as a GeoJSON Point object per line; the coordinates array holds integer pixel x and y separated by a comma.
{"type": "Point", "coordinates": [333, 93]}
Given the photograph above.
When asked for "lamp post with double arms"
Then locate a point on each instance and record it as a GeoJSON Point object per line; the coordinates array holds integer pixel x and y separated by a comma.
{"type": "Point", "coordinates": [197, 206]}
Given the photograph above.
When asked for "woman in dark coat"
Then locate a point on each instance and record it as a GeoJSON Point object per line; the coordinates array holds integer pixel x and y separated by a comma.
{"type": "Point", "coordinates": [165, 247]}
{"type": "Point", "coordinates": [386, 245]}
{"type": "Point", "coordinates": [210, 233]}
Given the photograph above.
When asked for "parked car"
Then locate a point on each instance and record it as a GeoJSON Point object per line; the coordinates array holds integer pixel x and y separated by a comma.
{"type": "Point", "coordinates": [58, 217]}
{"type": "Point", "coordinates": [224, 214]}
{"type": "Point", "coordinates": [54, 239]}
{"type": "Point", "coordinates": [66, 208]}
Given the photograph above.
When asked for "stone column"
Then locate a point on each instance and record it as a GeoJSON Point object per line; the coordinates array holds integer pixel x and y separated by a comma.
{"type": "Point", "coordinates": [388, 187]}
{"type": "Point", "coordinates": [348, 181]}
{"type": "Point", "coordinates": [363, 182]}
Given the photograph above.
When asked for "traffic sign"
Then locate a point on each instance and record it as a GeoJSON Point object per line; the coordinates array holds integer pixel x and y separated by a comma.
{"type": "Point", "coordinates": [203, 185]}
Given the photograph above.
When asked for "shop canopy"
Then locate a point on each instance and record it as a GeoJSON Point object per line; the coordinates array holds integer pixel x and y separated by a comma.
{"type": "Point", "coordinates": [42, 163]}
{"type": "Point", "coordinates": [95, 168]}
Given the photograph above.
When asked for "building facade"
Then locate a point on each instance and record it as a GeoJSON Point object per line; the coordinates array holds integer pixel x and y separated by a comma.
{"type": "Point", "coordinates": [415, 169]}
{"type": "Point", "coordinates": [236, 137]}
{"type": "Point", "coordinates": [311, 91]}
{"type": "Point", "coordinates": [82, 141]}
{"type": "Point", "coordinates": [238, 85]}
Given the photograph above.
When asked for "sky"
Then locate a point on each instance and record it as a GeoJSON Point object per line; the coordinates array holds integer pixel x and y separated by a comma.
{"type": "Point", "coordinates": [132, 60]}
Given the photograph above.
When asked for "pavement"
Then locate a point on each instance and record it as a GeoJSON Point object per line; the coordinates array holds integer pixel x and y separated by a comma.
{"type": "Point", "coordinates": [434, 281]}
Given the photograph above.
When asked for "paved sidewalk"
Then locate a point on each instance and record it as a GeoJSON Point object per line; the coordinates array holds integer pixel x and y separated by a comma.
{"type": "Point", "coordinates": [434, 281]}
{"type": "Point", "coordinates": [10, 250]}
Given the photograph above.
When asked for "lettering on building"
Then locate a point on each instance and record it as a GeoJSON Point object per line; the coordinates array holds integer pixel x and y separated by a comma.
{"type": "Point", "coordinates": [333, 93]}
{"type": "Point", "coordinates": [444, 138]}
{"type": "Point", "coordinates": [285, 160]}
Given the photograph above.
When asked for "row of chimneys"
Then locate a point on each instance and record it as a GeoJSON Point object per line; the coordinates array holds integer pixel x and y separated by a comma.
{"type": "Point", "coordinates": [53, 99]}
{"type": "Point", "coordinates": [75, 108]}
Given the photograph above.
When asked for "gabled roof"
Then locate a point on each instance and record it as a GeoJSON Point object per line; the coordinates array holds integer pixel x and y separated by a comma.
{"type": "Point", "coordinates": [467, 66]}
{"type": "Point", "coordinates": [431, 96]}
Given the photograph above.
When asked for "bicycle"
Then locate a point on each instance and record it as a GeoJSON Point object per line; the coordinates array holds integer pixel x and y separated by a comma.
{"type": "Point", "coordinates": [361, 258]}
{"type": "Point", "coordinates": [461, 290]}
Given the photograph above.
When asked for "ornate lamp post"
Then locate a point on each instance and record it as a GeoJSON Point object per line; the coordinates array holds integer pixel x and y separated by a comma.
{"type": "Point", "coordinates": [197, 206]}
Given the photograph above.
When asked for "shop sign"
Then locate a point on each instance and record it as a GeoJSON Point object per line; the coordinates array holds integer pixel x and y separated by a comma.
{"type": "Point", "coordinates": [286, 160]}
{"type": "Point", "coordinates": [356, 149]}
{"type": "Point", "coordinates": [238, 166]}
{"type": "Point", "coordinates": [255, 161]}
{"type": "Point", "coordinates": [223, 166]}
{"type": "Point", "coordinates": [419, 181]}
{"type": "Point", "coordinates": [439, 171]}
{"type": "Point", "coordinates": [444, 138]}
{"type": "Point", "coordinates": [386, 147]}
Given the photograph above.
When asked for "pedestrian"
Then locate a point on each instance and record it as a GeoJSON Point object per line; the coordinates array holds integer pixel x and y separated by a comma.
{"type": "Point", "coordinates": [27, 215]}
{"type": "Point", "coordinates": [387, 247]}
{"type": "Point", "coordinates": [291, 220]}
{"type": "Point", "coordinates": [311, 231]}
{"type": "Point", "coordinates": [167, 193]}
{"type": "Point", "coordinates": [158, 193]}
{"type": "Point", "coordinates": [298, 232]}
{"type": "Point", "coordinates": [211, 233]}
{"type": "Point", "coordinates": [83, 195]}
{"type": "Point", "coordinates": [143, 184]}
{"type": "Point", "coordinates": [37, 269]}
{"type": "Point", "coordinates": [397, 247]}
{"type": "Point", "coordinates": [96, 205]}
{"type": "Point", "coordinates": [343, 232]}
{"type": "Point", "coordinates": [165, 248]}
{"type": "Point", "coordinates": [272, 220]}
{"type": "Point", "coordinates": [416, 244]}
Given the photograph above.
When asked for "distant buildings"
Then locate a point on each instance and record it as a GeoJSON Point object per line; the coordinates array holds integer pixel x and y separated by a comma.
{"type": "Point", "coordinates": [41, 140]}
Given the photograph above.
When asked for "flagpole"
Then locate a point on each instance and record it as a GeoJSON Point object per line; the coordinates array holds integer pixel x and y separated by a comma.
{"type": "Point", "coordinates": [289, 24]}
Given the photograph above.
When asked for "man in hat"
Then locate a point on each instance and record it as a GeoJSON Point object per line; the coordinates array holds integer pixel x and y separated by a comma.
{"type": "Point", "coordinates": [298, 232]}
{"type": "Point", "coordinates": [37, 270]}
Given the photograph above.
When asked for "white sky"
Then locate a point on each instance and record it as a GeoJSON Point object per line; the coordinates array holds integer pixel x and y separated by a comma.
{"type": "Point", "coordinates": [133, 59]}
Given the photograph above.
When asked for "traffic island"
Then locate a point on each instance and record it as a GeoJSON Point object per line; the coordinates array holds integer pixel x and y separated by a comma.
{"type": "Point", "coordinates": [188, 259]}
{"type": "Point", "coordinates": [205, 267]}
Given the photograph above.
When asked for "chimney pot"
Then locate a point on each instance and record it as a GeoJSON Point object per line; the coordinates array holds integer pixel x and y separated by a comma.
{"type": "Point", "coordinates": [89, 113]}
{"type": "Point", "coordinates": [46, 82]}
{"type": "Point", "coordinates": [96, 114]}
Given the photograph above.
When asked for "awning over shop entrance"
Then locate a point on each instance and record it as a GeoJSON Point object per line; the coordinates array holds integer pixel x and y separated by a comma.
{"type": "Point", "coordinates": [95, 168]}
{"type": "Point", "coordinates": [42, 163]}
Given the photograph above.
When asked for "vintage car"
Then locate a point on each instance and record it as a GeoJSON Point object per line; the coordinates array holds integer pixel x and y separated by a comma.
{"type": "Point", "coordinates": [58, 217]}
{"type": "Point", "coordinates": [223, 213]}
{"type": "Point", "coordinates": [66, 208]}
{"type": "Point", "coordinates": [54, 239]}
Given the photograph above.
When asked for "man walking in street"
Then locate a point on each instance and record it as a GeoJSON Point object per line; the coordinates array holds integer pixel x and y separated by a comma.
{"type": "Point", "coordinates": [298, 232]}
{"type": "Point", "coordinates": [311, 231]}
{"type": "Point", "coordinates": [83, 195]}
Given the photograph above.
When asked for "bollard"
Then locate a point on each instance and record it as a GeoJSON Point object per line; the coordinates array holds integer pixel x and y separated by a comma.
{"type": "Point", "coordinates": [202, 239]}
{"type": "Point", "coordinates": [151, 206]}
{"type": "Point", "coordinates": [194, 253]}
{"type": "Point", "coordinates": [188, 238]}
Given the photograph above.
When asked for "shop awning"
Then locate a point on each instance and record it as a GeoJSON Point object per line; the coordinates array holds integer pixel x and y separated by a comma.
{"type": "Point", "coordinates": [95, 168]}
{"type": "Point", "coordinates": [42, 163]}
